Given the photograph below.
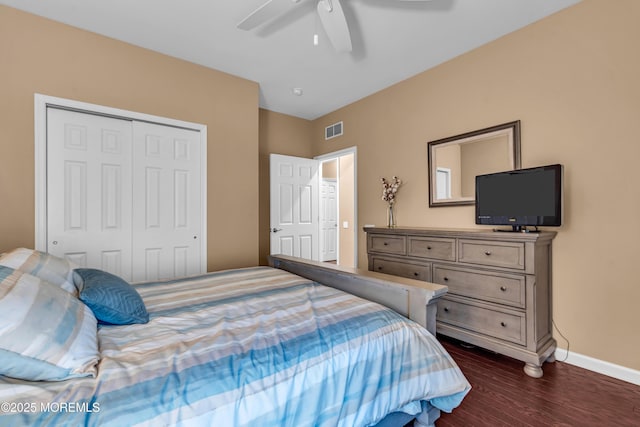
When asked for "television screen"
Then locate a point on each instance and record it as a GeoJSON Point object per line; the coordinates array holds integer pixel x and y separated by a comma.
{"type": "Point", "coordinates": [521, 197]}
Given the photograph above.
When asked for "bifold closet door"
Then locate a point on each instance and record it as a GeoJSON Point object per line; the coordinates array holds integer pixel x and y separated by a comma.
{"type": "Point", "coordinates": [89, 190]}
{"type": "Point", "coordinates": [167, 201]}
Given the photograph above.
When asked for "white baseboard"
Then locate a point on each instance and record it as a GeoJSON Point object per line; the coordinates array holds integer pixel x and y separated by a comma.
{"type": "Point", "coordinates": [600, 366]}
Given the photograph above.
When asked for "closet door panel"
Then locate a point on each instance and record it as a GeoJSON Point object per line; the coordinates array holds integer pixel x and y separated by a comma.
{"type": "Point", "coordinates": [166, 202]}
{"type": "Point", "coordinates": [89, 190]}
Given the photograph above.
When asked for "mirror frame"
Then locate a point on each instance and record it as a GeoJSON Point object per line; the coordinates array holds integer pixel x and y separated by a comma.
{"type": "Point", "coordinates": [511, 129]}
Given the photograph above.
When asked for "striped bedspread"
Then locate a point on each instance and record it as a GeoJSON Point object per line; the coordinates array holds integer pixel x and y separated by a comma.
{"type": "Point", "coordinates": [248, 347]}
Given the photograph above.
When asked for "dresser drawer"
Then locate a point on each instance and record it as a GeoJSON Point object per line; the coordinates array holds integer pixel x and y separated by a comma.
{"type": "Point", "coordinates": [499, 254]}
{"type": "Point", "coordinates": [403, 269]}
{"type": "Point", "coordinates": [502, 288]}
{"type": "Point", "coordinates": [388, 244]}
{"type": "Point", "coordinates": [434, 248]}
{"type": "Point", "coordinates": [502, 325]}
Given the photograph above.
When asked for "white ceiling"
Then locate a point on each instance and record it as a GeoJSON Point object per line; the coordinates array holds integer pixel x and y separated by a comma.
{"type": "Point", "coordinates": [392, 40]}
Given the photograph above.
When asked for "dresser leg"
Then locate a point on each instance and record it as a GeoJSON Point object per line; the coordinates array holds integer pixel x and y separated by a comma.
{"type": "Point", "coordinates": [532, 370]}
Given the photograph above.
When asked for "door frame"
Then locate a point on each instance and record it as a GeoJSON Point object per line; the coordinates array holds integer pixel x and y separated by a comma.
{"type": "Point", "coordinates": [336, 155]}
{"type": "Point", "coordinates": [42, 102]}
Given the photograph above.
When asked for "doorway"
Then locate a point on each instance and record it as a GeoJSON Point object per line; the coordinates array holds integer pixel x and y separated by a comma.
{"type": "Point", "coordinates": [338, 208]}
{"type": "Point", "coordinates": [295, 213]}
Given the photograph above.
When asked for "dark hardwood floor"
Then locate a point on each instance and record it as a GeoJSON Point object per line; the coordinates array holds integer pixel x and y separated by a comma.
{"type": "Point", "coordinates": [503, 395]}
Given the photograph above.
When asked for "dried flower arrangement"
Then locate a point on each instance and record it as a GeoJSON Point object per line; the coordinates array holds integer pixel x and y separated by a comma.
{"type": "Point", "coordinates": [389, 189]}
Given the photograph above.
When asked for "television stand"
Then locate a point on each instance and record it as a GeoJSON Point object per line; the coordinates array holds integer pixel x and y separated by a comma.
{"type": "Point", "coordinates": [499, 284]}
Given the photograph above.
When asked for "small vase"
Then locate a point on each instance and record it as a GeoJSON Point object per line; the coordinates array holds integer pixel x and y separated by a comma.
{"type": "Point", "coordinates": [391, 217]}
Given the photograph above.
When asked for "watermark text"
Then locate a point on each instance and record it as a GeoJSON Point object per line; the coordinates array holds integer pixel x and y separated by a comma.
{"type": "Point", "coordinates": [26, 407]}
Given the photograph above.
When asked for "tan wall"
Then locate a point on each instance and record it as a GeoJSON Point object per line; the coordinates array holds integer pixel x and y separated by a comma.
{"type": "Point", "coordinates": [573, 80]}
{"type": "Point", "coordinates": [330, 169]}
{"type": "Point", "coordinates": [279, 134]}
{"type": "Point", "coordinates": [42, 56]}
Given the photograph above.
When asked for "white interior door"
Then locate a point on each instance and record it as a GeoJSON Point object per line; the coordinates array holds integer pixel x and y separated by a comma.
{"type": "Point", "coordinates": [294, 209]}
{"type": "Point", "coordinates": [329, 220]}
{"type": "Point", "coordinates": [166, 202]}
{"type": "Point", "coordinates": [89, 190]}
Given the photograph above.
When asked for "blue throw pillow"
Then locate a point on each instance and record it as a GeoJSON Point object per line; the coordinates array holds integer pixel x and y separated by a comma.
{"type": "Point", "coordinates": [112, 300]}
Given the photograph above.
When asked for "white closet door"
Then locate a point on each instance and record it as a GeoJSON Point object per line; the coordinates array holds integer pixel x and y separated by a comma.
{"type": "Point", "coordinates": [89, 190]}
{"type": "Point", "coordinates": [167, 207]}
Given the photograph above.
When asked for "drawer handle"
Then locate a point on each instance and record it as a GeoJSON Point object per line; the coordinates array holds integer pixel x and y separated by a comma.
{"type": "Point", "coordinates": [504, 325]}
{"type": "Point", "coordinates": [487, 253]}
{"type": "Point", "coordinates": [503, 288]}
{"type": "Point", "coordinates": [380, 268]}
{"type": "Point", "coordinates": [385, 244]}
{"type": "Point", "coordinates": [446, 279]}
{"type": "Point", "coordinates": [428, 248]}
{"type": "Point", "coordinates": [446, 309]}
{"type": "Point", "coordinates": [416, 274]}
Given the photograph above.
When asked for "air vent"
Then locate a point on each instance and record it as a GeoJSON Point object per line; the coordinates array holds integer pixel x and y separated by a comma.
{"type": "Point", "coordinates": [333, 130]}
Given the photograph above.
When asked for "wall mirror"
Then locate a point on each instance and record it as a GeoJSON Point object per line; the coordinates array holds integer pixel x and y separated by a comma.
{"type": "Point", "coordinates": [454, 162]}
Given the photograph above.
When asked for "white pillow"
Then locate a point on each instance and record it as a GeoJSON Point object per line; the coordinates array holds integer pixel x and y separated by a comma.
{"type": "Point", "coordinates": [49, 268]}
{"type": "Point", "coordinates": [46, 334]}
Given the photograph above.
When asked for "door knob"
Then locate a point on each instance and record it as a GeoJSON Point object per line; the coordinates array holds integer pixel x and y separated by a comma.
{"type": "Point", "coordinates": [275, 230]}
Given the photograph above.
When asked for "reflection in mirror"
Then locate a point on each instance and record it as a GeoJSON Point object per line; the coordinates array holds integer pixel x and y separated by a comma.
{"type": "Point", "coordinates": [455, 162]}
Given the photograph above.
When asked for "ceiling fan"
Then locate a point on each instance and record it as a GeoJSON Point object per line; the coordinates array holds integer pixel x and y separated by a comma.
{"type": "Point", "coordinates": [330, 12]}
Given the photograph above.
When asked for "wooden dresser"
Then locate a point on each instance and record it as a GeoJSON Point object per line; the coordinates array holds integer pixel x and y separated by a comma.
{"type": "Point", "coordinates": [499, 284]}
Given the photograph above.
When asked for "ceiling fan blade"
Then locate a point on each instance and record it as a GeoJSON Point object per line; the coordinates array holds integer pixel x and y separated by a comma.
{"type": "Point", "coordinates": [335, 24]}
{"type": "Point", "coordinates": [270, 9]}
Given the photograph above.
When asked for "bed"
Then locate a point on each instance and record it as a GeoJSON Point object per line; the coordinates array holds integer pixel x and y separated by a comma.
{"type": "Point", "coordinates": [257, 346]}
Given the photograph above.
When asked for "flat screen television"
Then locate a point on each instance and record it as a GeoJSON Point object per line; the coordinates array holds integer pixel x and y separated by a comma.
{"type": "Point", "coordinates": [520, 198]}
